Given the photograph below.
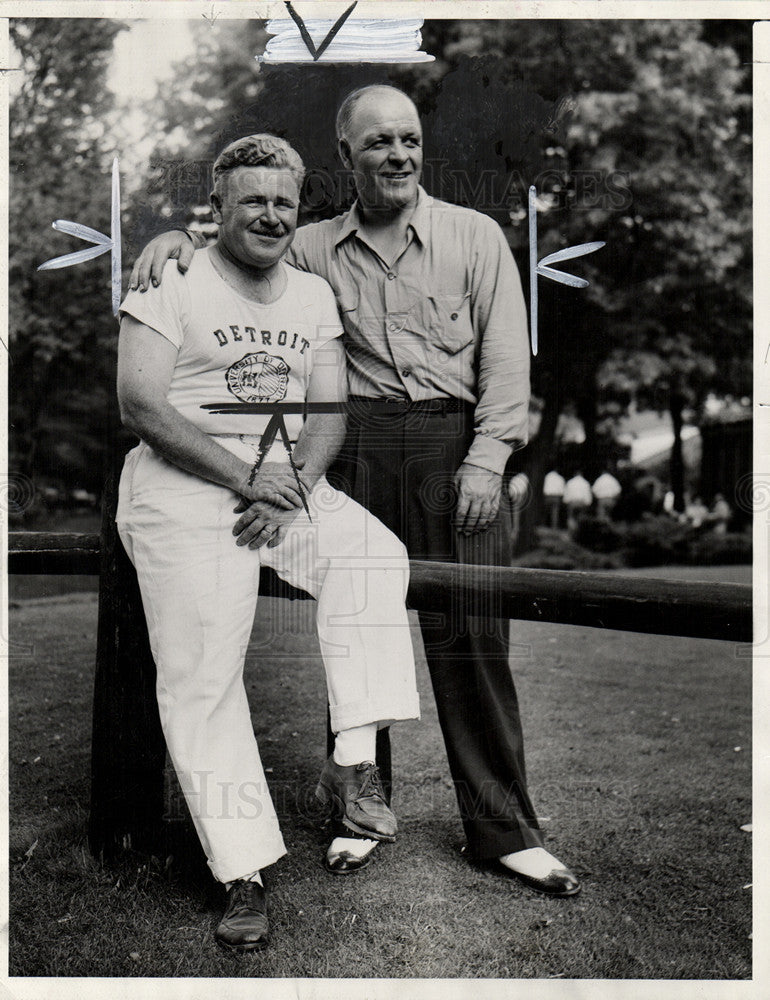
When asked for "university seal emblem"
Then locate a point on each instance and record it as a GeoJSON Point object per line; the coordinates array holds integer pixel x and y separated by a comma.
{"type": "Point", "coordinates": [258, 378]}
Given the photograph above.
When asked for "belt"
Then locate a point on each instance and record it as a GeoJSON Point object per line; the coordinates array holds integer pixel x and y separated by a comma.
{"type": "Point", "coordinates": [445, 404]}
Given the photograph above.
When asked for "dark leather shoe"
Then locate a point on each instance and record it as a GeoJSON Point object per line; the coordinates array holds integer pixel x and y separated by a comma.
{"type": "Point", "coordinates": [244, 925]}
{"type": "Point", "coordinates": [346, 862]}
{"type": "Point", "coordinates": [560, 882]}
{"type": "Point", "coordinates": [357, 799]}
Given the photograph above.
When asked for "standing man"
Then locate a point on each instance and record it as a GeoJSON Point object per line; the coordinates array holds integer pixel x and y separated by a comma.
{"type": "Point", "coordinates": [519, 493]}
{"type": "Point", "coordinates": [435, 324]}
{"type": "Point", "coordinates": [242, 325]}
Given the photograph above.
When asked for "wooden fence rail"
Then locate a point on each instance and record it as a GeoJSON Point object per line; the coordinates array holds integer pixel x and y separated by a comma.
{"type": "Point", "coordinates": [598, 600]}
{"type": "Point", "coordinates": [129, 779]}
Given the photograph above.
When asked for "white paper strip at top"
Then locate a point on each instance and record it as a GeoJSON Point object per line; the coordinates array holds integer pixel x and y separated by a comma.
{"type": "Point", "coordinates": [357, 41]}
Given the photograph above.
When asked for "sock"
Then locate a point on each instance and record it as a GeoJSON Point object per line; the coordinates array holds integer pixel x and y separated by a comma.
{"type": "Point", "coordinates": [253, 877]}
{"type": "Point", "coordinates": [535, 862]}
{"type": "Point", "coordinates": [352, 746]}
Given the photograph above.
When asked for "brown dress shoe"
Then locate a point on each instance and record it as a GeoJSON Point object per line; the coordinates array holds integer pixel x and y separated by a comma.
{"type": "Point", "coordinates": [357, 799]}
{"type": "Point", "coordinates": [244, 925]}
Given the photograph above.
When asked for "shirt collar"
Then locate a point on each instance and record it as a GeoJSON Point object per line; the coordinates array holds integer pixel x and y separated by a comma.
{"type": "Point", "coordinates": [420, 221]}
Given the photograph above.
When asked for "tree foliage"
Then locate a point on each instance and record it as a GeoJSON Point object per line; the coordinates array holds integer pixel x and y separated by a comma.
{"type": "Point", "coordinates": [654, 159]}
{"type": "Point", "coordinates": [62, 333]}
{"type": "Point", "coordinates": [634, 132]}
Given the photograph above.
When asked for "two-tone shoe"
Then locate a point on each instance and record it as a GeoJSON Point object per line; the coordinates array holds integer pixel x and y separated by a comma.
{"type": "Point", "coordinates": [559, 882]}
{"type": "Point", "coordinates": [349, 852]}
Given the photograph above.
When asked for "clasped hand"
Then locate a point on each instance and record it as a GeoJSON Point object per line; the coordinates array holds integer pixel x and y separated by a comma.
{"type": "Point", "coordinates": [267, 507]}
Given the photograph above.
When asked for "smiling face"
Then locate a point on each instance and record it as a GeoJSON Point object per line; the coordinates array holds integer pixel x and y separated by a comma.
{"type": "Point", "coordinates": [383, 148]}
{"type": "Point", "coordinates": [256, 210]}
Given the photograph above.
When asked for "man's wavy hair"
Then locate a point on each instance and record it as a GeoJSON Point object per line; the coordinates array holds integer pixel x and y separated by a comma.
{"type": "Point", "coordinates": [259, 150]}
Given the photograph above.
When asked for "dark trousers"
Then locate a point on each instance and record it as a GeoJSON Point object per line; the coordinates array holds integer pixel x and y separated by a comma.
{"type": "Point", "coordinates": [400, 466]}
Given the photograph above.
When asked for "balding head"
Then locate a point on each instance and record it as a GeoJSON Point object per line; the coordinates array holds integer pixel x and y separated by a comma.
{"type": "Point", "coordinates": [380, 140]}
{"type": "Point", "coordinates": [378, 95]}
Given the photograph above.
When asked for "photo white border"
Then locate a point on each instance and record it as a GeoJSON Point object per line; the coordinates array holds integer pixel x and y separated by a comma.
{"type": "Point", "coordinates": [448, 989]}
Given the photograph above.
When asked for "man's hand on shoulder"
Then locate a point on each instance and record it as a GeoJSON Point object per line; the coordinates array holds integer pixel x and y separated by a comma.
{"type": "Point", "coordinates": [148, 269]}
{"type": "Point", "coordinates": [478, 498]}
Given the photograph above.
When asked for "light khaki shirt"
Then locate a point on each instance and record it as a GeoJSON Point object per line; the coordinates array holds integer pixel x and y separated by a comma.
{"type": "Point", "coordinates": [447, 319]}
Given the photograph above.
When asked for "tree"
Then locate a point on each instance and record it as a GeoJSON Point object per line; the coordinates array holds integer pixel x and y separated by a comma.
{"type": "Point", "coordinates": [634, 132]}
{"type": "Point", "coordinates": [682, 320]}
{"type": "Point", "coordinates": [61, 338]}
{"type": "Point", "coordinates": [654, 158]}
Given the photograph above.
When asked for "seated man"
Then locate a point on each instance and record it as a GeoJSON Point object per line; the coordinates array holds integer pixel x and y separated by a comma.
{"type": "Point", "coordinates": [435, 325]}
{"type": "Point", "coordinates": [242, 325]}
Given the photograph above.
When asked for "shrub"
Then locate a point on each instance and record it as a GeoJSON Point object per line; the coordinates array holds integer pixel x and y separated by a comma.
{"type": "Point", "coordinates": [656, 540]}
{"type": "Point", "coordinates": [556, 550]}
{"type": "Point", "coordinates": [600, 535]}
{"type": "Point", "coordinates": [726, 550]}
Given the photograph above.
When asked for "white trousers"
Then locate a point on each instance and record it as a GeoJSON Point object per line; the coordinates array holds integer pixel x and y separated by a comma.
{"type": "Point", "coordinates": [199, 591]}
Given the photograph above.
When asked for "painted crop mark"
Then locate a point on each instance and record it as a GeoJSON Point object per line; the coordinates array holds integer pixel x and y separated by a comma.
{"type": "Point", "coordinates": [316, 53]}
{"type": "Point", "coordinates": [346, 40]}
{"type": "Point", "coordinates": [542, 267]}
{"type": "Point", "coordinates": [102, 244]}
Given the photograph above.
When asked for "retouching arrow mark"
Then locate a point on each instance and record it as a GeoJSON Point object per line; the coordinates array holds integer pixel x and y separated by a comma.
{"type": "Point", "coordinates": [75, 258]}
{"type": "Point", "coordinates": [82, 233]}
{"type": "Point", "coordinates": [316, 53]}
{"type": "Point", "coordinates": [569, 252]}
{"type": "Point", "coordinates": [562, 277]}
{"type": "Point", "coordinates": [102, 243]}
{"type": "Point", "coordinates": [115, 233]}
{"type": "Point", "coordinates": [541, 267]}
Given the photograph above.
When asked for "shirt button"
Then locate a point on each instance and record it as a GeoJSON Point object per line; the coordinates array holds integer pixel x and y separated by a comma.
{"type": "Point", "coordinates": [393, 327]}
{"type": "Point", "coordinates": [455, 315]}
{"type": "Point", "coordinates": [391, 276]}
{"type": "Point", "coordinates": [406, 373]}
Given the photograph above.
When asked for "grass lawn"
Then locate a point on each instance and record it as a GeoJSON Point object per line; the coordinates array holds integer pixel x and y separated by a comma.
{"type": "Point", "coordinates": [639, 762]}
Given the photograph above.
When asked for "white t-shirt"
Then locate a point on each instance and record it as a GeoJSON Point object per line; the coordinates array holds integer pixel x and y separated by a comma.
{"type": "Point", "coordinates": [232, 349]}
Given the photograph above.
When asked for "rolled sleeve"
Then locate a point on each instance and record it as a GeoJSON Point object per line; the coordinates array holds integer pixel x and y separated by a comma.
{"type": "Point", "coordinates": [500, 317]}
{"type": "Point", "coordinates": [165, 308]}
{"type": "Point", "coordinates": [488, 453]}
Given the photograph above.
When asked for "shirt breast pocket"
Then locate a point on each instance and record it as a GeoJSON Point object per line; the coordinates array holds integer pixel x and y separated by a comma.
{"type": "Point", "coordinates": [450, 320]}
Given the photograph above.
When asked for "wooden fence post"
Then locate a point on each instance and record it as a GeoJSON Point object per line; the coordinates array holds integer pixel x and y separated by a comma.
{"type": "Point", "coordinates": [135, 805]}
{"type": "Point", "coordinates": [128, 754]}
